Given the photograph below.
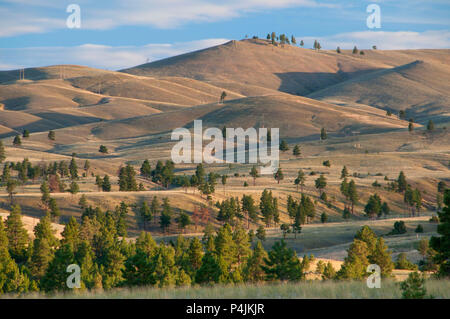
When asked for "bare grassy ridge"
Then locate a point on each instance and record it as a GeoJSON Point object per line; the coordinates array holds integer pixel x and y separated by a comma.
{"type": "Point", "coordinates": [303, 290]}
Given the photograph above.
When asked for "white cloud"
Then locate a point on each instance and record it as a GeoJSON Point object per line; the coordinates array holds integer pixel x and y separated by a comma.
{"type": "Point", "coordinates": [99, 56]}
{"type": "Point", "coordinates": [385, 40]}
{"type": "Point", "coordinates": [22, 16]}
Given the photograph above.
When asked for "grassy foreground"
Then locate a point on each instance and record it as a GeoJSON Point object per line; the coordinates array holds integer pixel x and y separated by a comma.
{"type": "Point", "coordinates": [312, 289]}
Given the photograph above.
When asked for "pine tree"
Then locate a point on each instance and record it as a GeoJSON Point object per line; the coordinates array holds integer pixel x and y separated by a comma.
{"type": "Point", "coordinates": [373, 206]}
{"type": "Point", "coordinates": [154, 207]}
{"type": "Point", "coordinates": [45, 191]}
{"type": "Point", "coordinates": [414, 286]}
{"type": "Point", "coordinates": [401, 182]}
{"type": "Point", "coordinates": [195, 255]}
{"type": "Point", "coordinates": [382, 257]}
{"type": "Point", "coordinates": [253, 270]}
{"type": "Point", "coordinates": [430, 126]}
{"type": "Point", "coordinates": [73, 169]}
{"type": "Point", "coordinates": [282, 264]}
{"type": "Point", "coordinates": [296, 151]}
{"type": "Point", "coordinates": [56, 275]}
{"type": "Point", "coordinates": [355, 50]}
{"type": "Point", "coordinates": [284, 146]}
{"type": "Point", "coordinates": [146, 170]}
{"type": "Point", "coordinates": [321, 183]}
{"type": "Point", "coordinates": [2, 153]}
{"type": "Point", "coordinates": [183, 220]}
{"type": "Point", "coordinates": [10, 187]}
{"type": "Point", "coordinates": [279, 175]}
{"type": "Point", "coordinates": [71, 234]}
{"type": "Point", "coordinates": [323, 134]}
{"type": "Point", "coordinates": [12, 280]}
{"type": "Point", "coordinates": [261, 233]}
{"type": "Point", "coordinates": [43, 245]}
{"type": "Point", "coordinates": [338, 50]}
{"type": "Point", "coordinates": [54, 209]}
{"type": "Point", "coordinates": [51, 135]}
{"type": "Point", "coordinates": [165, 218]}
{"type": "Point", "coordinates": [353, 194]}
{"type": "Point", "coordinates": [103, 149]}
{"type": "Point", "coordinates": [106, 184]}
{"type": "Point", "coordinates": [242, 242]}
{"type": "Point", "coordinates": [17, 235]}
{"type": "Point", "coordinates": [344, 172]}
{"type": "Point", "coordinates": [442, 243]}
{"type": "Point", "coordinates": [145, 214]}
{"type": "Point", "coordinates": [17, 141]}
{"type": "Point", "coordinates": [355, 264]}
{"type": "Point", "coordinates": [300, 180]}
{"type": "Point", "coordinates": [74, 188]}
{"type": "Point", "coordinates": [254, 174]}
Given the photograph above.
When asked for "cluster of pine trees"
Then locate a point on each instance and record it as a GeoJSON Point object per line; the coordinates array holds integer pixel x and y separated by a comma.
{"type": "Point", "coordinates": [107, 260]}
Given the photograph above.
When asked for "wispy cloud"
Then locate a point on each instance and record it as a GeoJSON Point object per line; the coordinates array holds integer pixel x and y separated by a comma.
{"type": "Point", "coordinates": [22, 17]}
{"type": "Point", "coordinates": [99, 56]}
{"type": "Point", "coordinates": [385, 40]}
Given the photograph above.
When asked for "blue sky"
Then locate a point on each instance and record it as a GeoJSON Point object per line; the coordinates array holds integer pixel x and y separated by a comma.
{"type": "Point", "coordinates": [117, 34]}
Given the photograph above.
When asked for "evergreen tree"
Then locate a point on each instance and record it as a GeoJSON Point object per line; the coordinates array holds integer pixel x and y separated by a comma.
{"type": "Point", "coordinates": [71, 234]}
{"type": "Point", "coordinates": [12, 280]}
{"type": "Point", "coordinates": [2, 153]}
{"type": "Point", "coordinates": [373, 206]}
{"type": "Point", "coordinates": [284, 146]}
{"type": "Point", "coordinates": [103, 149]}
{"type": "Point", "coordinates": [145, 214]}
{"type": "Point", "coordinates": [17, 141]}
{"type": "Point", "coordinates": [183, 220]}
{"type": "Point", "coordinates": [338, 50]}
{"type": "Point", "coordinates": [300, 180]}
{"type": "Point", "coordinates": [441, 244]}
{"type": "Point", "coordinates": [18, 239]}
{"type": "Point", "coordinates": [106, 184]}
{"type": "Point", "coordinates": [323, 134]}
{"type": "Point", "coordinates": [254, 174]}
{"type": "Point", "coordinates": [73, 169]}
{"type": "Point", "coordinates": [51, 135]}
{"type": "Point", "coordinates": [154, 207]}
{"type": "Point", "coordinates": [355, 50]}
{"type": "Point", "coordinates": [10, 187]}
{"type": "Point", "coordinates": [54, 209]}
{"type": "Point", "coordinates": [296, 151]}
{"type": "Point", "coordinates": [253, 270]}
{"type": "Point", "coordinates": [382, 257]}
{"type": "Point", "coordinates": [282, 264]}
{"type": "Point", "coordinates": [165, 218]}
{"type": "Point", "coordinates": [261, 233]}
{"type": "Point", "coordinates": [353, 194]}
{"type": "Point", "coordinates": [414, 286]}
{"type": "Point", "coordinates": [279, 175]}
{"type": "Point", "coordinates": [74, 188]}
{"type": "Point", "coordinates": [321, 183]}
{"type": "Point", "coordinates": [45, 191]}
{"type": "Point", "coordinates": [401, 182]}
{"type": "Point", "coordinates": [195, 255]}
{"type": "Point", "coordinates": [56, 275]}
{"type": "Point", "coordinates": [344, 172]}
{"type": "Point", "coordinates": [43, 244]}
{"type": "Point", "coordinates": [430, 126]}
{"type": "Point", "coordinates": [355, 264]}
